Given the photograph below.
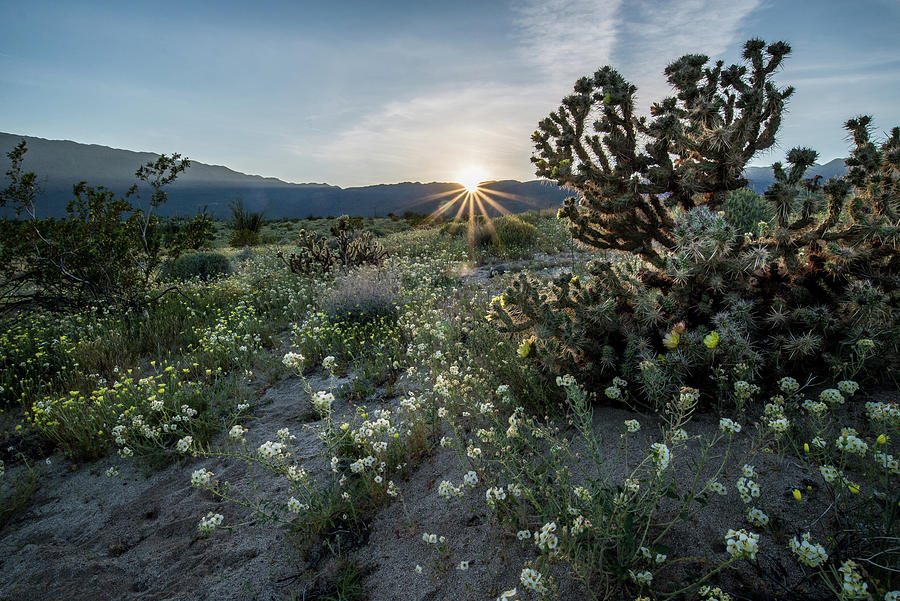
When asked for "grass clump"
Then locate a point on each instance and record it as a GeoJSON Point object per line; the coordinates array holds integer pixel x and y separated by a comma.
{"type": "Point", "coordinates": [245, 225]}
{"type": "Point", "coordinates": [364, 294]}
{"type": "Point", "coordinates": [16, 490]}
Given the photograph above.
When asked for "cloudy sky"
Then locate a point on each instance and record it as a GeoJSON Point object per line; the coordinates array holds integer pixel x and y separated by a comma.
{"type": "Point", "coordinates": [366, 92]}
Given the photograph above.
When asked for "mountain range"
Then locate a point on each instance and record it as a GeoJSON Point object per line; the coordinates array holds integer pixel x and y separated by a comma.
{"type": "Point", "coordinates": [60, 164]}
{"type": "Point", "coordinates": [761, 178]}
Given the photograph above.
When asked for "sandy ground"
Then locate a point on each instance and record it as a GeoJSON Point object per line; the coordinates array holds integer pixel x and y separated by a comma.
{"type": "Point", "coordinates": [87, 536]}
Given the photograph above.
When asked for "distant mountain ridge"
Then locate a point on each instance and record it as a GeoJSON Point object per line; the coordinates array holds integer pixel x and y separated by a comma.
{"type": "Point", "coordinates": [60, 164]}
{"type": "Point", "coordinates": [762, 177]}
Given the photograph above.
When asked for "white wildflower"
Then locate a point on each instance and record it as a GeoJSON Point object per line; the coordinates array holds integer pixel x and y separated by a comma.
{"type": "Point", "coordinates": [210, 522]}
{"type": "Point", "coordinates": [757, 517]}
{"type": "Point", "coordinates": [201, 477]}
{"type": "Point", "coordinates": [807, 552]}
{"type": "Point", "coordinates": [729, 426]}
{"type": "Point", "coordinates": [741, 543]}
{"type": "Point", "coordinates": [494, 495]}
{"type": "Point", "coordinates": [853, 585]}
{"type": "Point", "coordinates": [270, 449]}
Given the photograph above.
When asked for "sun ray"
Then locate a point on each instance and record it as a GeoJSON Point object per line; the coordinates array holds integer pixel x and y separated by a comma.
{"type": "Point", "coordinates": [462, 206]}
{"type": "Point", "coordinates": [472, 198]}
{"type": "Point", "coordinates": [516, 197]}
{"type": "Point", "coordinates": [435, 196]}
{"type": "Point", "coordinates": [489, 223]}
{"type": "Point", "coordinates": [471, 229]}
{"type": "Point", "coordinates": [445, 206]}
{"type": "Point", "coordinates": [493, 203]}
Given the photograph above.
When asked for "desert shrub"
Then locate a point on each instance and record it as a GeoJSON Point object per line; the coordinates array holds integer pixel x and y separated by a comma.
{"type": "Point", "coordinates": [242, 238]}
{"type": "Point", "coordinates": [104, 249]}
{"type": "Point", "coordinates": [478, 232]}
{"type": "Point", "coordinates": [244, 255]}
{"type": "Point", "coordinates": [201, 265]}
{"type": "Point", "coordinates": [700, 304]}
{"type": "Point", "coordinates": [481, 235]}
{"type": "Point", "coordinates": [245, 219]}
{"type": "Point", "coordinates": [363, 294]}
{"type": "Point", "coordinates": [745, 210]}
{"type": "Point", "coordinates": [181, 235]}
{"type": "Point", "coordinates": [452, 229]}
{"type": "Point", "coordinates": [533, 216]}
{"type": "Point", "coordinates": [514, 236]}
{"type": "Point", "coordinates": [413, 218]}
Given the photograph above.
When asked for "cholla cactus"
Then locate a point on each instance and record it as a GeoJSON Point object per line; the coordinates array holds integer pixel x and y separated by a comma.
{"type": "Point", "coordinates": [362, 250]}
{"type": "Point", "coordinates": [699, 142]}
{"type": "Point", "coordinates": [316, 255]}
{"type": "Point", "coordinates": [860, 230]}
{"type": "Point", "coordinates": [802, 289]}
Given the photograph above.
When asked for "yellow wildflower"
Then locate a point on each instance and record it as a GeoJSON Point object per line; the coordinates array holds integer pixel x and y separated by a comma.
{"type": "Point", "coordinates": [671, 340]}
{"type": "Point", "coordinates": [711, 340]}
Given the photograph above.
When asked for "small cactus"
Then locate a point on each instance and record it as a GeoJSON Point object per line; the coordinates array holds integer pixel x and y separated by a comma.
{"type": "Point", "coordinates": [315, 254]}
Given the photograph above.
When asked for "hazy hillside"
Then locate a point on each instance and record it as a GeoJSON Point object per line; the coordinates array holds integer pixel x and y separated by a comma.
{"type": "Point", "coordinates": [762, 177]}
{"type": "Point", "coordinates": [60, 164]}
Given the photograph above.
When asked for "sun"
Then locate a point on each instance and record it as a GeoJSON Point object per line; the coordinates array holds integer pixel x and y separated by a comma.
{"type": "Point", "coordinates": [470, 178]}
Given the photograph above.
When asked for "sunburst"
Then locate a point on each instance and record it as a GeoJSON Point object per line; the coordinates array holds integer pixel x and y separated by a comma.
{"type": "Point", "coordinates": [473, 198]}
{"type": "Point", "coordinates": [470, 178]}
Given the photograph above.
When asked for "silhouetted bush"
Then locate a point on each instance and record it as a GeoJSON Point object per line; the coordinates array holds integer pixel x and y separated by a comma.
{"type": "Point", "coordinates": [204, 265]}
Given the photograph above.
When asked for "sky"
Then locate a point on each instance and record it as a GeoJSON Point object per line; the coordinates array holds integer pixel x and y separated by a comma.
{"type": "Point", "coordinates": [365, 92]}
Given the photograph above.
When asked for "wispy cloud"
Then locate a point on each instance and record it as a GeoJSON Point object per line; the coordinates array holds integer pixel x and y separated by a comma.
{"type": "Point", "coordinates": [564, 39]}
{"type": "Point", "coordinates": [659, 32]}
{"type": "Point", "coordinates": [429, 135]}
{"type": "Point", "coordinates": [433, 136]}
{"type": "Point", "coordinates": [435, 133]}
{"type": "Point", "coordinates": [673, 27]}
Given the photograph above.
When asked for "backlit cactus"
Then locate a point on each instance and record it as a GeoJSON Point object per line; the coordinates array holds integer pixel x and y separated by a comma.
{"type": "Point", "coordinates": [344, 251]}
{"type": "Point", "coordinates": [816, 274]}
{"type": "Point", "coordinates": [699, 142]}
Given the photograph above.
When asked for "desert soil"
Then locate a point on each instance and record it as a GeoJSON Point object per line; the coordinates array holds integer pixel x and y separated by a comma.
{"type": "Point", "coordinates": [88, 537]}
